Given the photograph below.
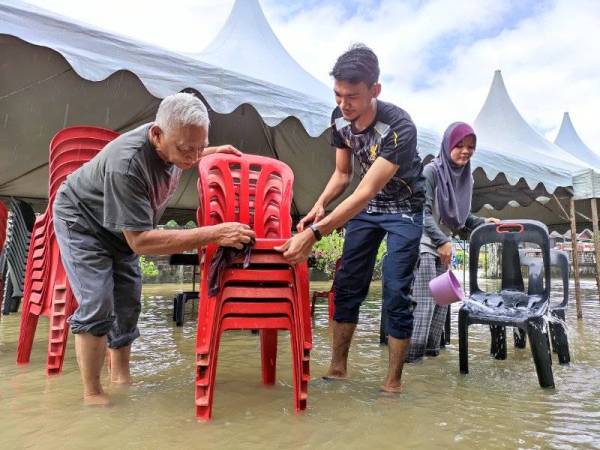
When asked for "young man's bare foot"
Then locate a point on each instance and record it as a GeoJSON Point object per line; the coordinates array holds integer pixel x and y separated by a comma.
{"type": "Point", "coordinates": [332, 378]}
{"type": "Point", "coordinates": [124, 381]}
{"type": "Point", "coordinates": [391, 388]}
{"type": "Point", "coordinates": [336, 374]}
{"type": "Point", "coordinates": [100, 399]}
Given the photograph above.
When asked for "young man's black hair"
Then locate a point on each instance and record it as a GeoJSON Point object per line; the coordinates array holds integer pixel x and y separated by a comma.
{"type": "Point", "coordinates": [359, 63]}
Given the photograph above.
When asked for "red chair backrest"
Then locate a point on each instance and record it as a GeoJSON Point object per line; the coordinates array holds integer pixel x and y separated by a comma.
{"type": "Point", "coordinates": [254, 190]}
{"type": "Point", "coordinates": [70, 148]}
{"type": "Point", "coordinates": [3, 220]}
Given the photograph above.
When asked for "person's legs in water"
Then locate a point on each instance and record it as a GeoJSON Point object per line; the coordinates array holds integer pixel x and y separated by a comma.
{"type": "Point", "coordinates": [89, 270]}
{"type": "Point", "coordinates": [438, 320]}
{"type": "Point", "coordinates": [425, 306]}
{"type": "Point", "coordinates": [119, 365]}
{"type": "Point", "coordinates": [361, 243]}
{"type": "Point", "coordinates": [342, 337]}
{"type": "Point", "coordinates": [90, 351]}
{"type": "Point", "coordinates": [404, 234]}
{"type": "Point", "coordinates": [127, 306]}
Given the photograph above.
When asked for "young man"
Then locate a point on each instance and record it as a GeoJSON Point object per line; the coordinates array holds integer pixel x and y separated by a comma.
{"type": "Point", "coordinates": [105, 214]}
{"type": "Point", "coordinates": [388, 200]}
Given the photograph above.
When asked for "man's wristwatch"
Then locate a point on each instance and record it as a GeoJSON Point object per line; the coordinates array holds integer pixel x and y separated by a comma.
{"type": "Point", "coordinates": [316, 231]}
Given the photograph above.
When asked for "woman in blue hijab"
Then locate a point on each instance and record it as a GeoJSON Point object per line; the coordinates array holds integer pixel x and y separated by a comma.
{"type": "Point", "coordinates": [447, 210]}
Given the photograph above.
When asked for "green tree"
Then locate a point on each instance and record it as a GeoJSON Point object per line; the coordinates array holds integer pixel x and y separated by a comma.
{"type": "Point", "coordinates": [149, 269]}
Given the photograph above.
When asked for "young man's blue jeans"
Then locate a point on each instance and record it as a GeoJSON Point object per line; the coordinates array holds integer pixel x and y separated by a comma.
{"type": "Point", "coordinates": [364, 234]}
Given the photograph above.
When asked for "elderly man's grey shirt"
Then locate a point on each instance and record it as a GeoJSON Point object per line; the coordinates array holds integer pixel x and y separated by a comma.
{"type": "Point", "coordinates": [125, 187]}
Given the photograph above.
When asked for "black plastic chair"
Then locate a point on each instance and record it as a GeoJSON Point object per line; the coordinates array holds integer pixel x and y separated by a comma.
{"type": "Point", "coordinates": [558, 335]}
{"type": "Point", "coordinates": [181, 298]}
{"type": "Point", "coordinates": [535, 285]}
{"type": "Point", "coordinates": [511, 306]}
{"type": "Point", "coordinates": [14, 255]}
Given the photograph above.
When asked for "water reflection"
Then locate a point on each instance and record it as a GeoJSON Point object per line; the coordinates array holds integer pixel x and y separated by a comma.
{"type": "Point", "coordinates": [498, 405]}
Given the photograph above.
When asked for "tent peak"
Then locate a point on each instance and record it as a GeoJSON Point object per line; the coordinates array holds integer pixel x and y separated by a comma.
{"type": "Point", "coordinates": [568, 139]}
{"type": "Point", "coordinates": [247, 44]}
{"type": "Point", "coordinates": [500, 126]}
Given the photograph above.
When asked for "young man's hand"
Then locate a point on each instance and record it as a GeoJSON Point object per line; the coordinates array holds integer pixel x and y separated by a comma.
{"type": "Point", "coordinates": [298, 248]}
{"type": "Point", "coordinates": [314, 215]}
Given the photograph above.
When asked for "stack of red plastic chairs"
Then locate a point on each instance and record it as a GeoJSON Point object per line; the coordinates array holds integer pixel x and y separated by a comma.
{"type": "Point", "coordinates": [3, 221]}
{"type": "Point", "coordinates": [268, 295]}
{"type": "Point", "coordinates": [46, 290]}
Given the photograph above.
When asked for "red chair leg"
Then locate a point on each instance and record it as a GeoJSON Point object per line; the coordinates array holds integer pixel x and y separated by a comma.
{"type": "Point", "coordinates": [268, 347]}
{"type": "Point", "coordinates": [63, 305]}
{"type": "Point", "coordinates": [205, 382]}
{"type": "Point", "coordinates": [26, 334]}
{"type": "Point", "coordinates": [330, 299]}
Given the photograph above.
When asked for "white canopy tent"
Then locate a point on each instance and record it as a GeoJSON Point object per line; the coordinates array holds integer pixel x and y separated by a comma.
{"type": "Point", "coordinates": [57, 72]}
{"type": "Point", "coordinates": [546, 184]}
{"type": "Point", "coordinates": [247, 44]}
{"type": "Point", "coordinates": [568, 139]}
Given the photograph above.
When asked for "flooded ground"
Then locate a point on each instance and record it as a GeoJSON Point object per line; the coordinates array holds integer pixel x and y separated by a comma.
{"type": "Point", "coordinates": [498, 405]}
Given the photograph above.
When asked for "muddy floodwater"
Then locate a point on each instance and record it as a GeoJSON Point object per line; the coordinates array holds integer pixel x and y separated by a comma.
{"type": "Point", "coordinates": [499, 404]}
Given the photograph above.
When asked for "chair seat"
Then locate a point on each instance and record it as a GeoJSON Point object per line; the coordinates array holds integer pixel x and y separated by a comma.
{"type": "Point", "coordinates": [511, 308]}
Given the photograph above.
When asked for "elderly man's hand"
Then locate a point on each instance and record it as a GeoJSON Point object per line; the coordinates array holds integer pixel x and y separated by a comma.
{"type": "Point", "coordinates": [222, 149]}
{"type": "Point", "coordinates": [298, 248]}
{"type": "Point", "coordinates": [233, 234]}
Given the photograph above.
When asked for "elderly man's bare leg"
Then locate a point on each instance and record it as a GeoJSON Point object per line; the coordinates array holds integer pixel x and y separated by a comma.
{"type": "Point", "coordinates": [119, 365]}
{"type": "Point", "coordinates": [398, 349]}
{"type": "Point", "coordinates": [90, 352]}
{"type": "Point", "coordinates": [342, 337]}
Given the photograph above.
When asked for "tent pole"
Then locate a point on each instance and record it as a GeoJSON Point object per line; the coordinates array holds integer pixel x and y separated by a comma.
{"type": "Point", "coordinates": [596, 241]}
{"type": "Point", "coordinates": [575, 259]}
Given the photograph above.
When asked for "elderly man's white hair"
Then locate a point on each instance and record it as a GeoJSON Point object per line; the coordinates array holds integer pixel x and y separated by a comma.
{"type": "Point", "coordinates": [179, 110]}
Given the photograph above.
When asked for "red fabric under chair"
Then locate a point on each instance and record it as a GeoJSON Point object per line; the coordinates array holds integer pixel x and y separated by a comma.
{"type": "Point", "coordinates": [269, 295]}
{"type": "Point", "coordinates": [46, 289]}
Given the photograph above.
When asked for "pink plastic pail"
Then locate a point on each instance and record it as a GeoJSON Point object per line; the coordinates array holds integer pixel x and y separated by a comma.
{"type": "Point", "coordinates": [446, 289]}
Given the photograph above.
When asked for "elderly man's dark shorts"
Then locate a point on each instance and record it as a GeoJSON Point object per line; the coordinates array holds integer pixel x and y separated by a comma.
{"type": "Point", "coordinates": [107, 286]}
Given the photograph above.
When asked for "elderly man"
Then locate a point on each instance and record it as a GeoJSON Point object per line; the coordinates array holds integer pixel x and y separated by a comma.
{"type": "Point", "coordinates": [105, 215]}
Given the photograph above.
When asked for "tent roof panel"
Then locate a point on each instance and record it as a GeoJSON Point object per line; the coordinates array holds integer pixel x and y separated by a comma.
{"type": "Point", "coordinates": [569, 140]}
{"type": "Point", "coordinates": [95, 55]}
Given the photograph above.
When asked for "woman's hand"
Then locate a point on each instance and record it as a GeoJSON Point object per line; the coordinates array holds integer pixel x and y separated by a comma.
{"type": "Point", "coordinates": [492, 220]}
{"type": "Point", "coordinates": [444, 252]}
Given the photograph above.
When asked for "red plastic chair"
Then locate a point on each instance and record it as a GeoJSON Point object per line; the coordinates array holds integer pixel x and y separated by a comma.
{"type": "Point", "coordinates": [330, 295]}
{"type": "Point", "coordinates": [3, 223]}
{"type": "Point", "coordinates": [270, 294]}
{"type": "Point", "coordinates": [46, 290]}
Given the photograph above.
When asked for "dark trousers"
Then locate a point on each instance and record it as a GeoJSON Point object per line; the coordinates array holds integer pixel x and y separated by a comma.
{"type": "Point", "coordinates": [364, 234]}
